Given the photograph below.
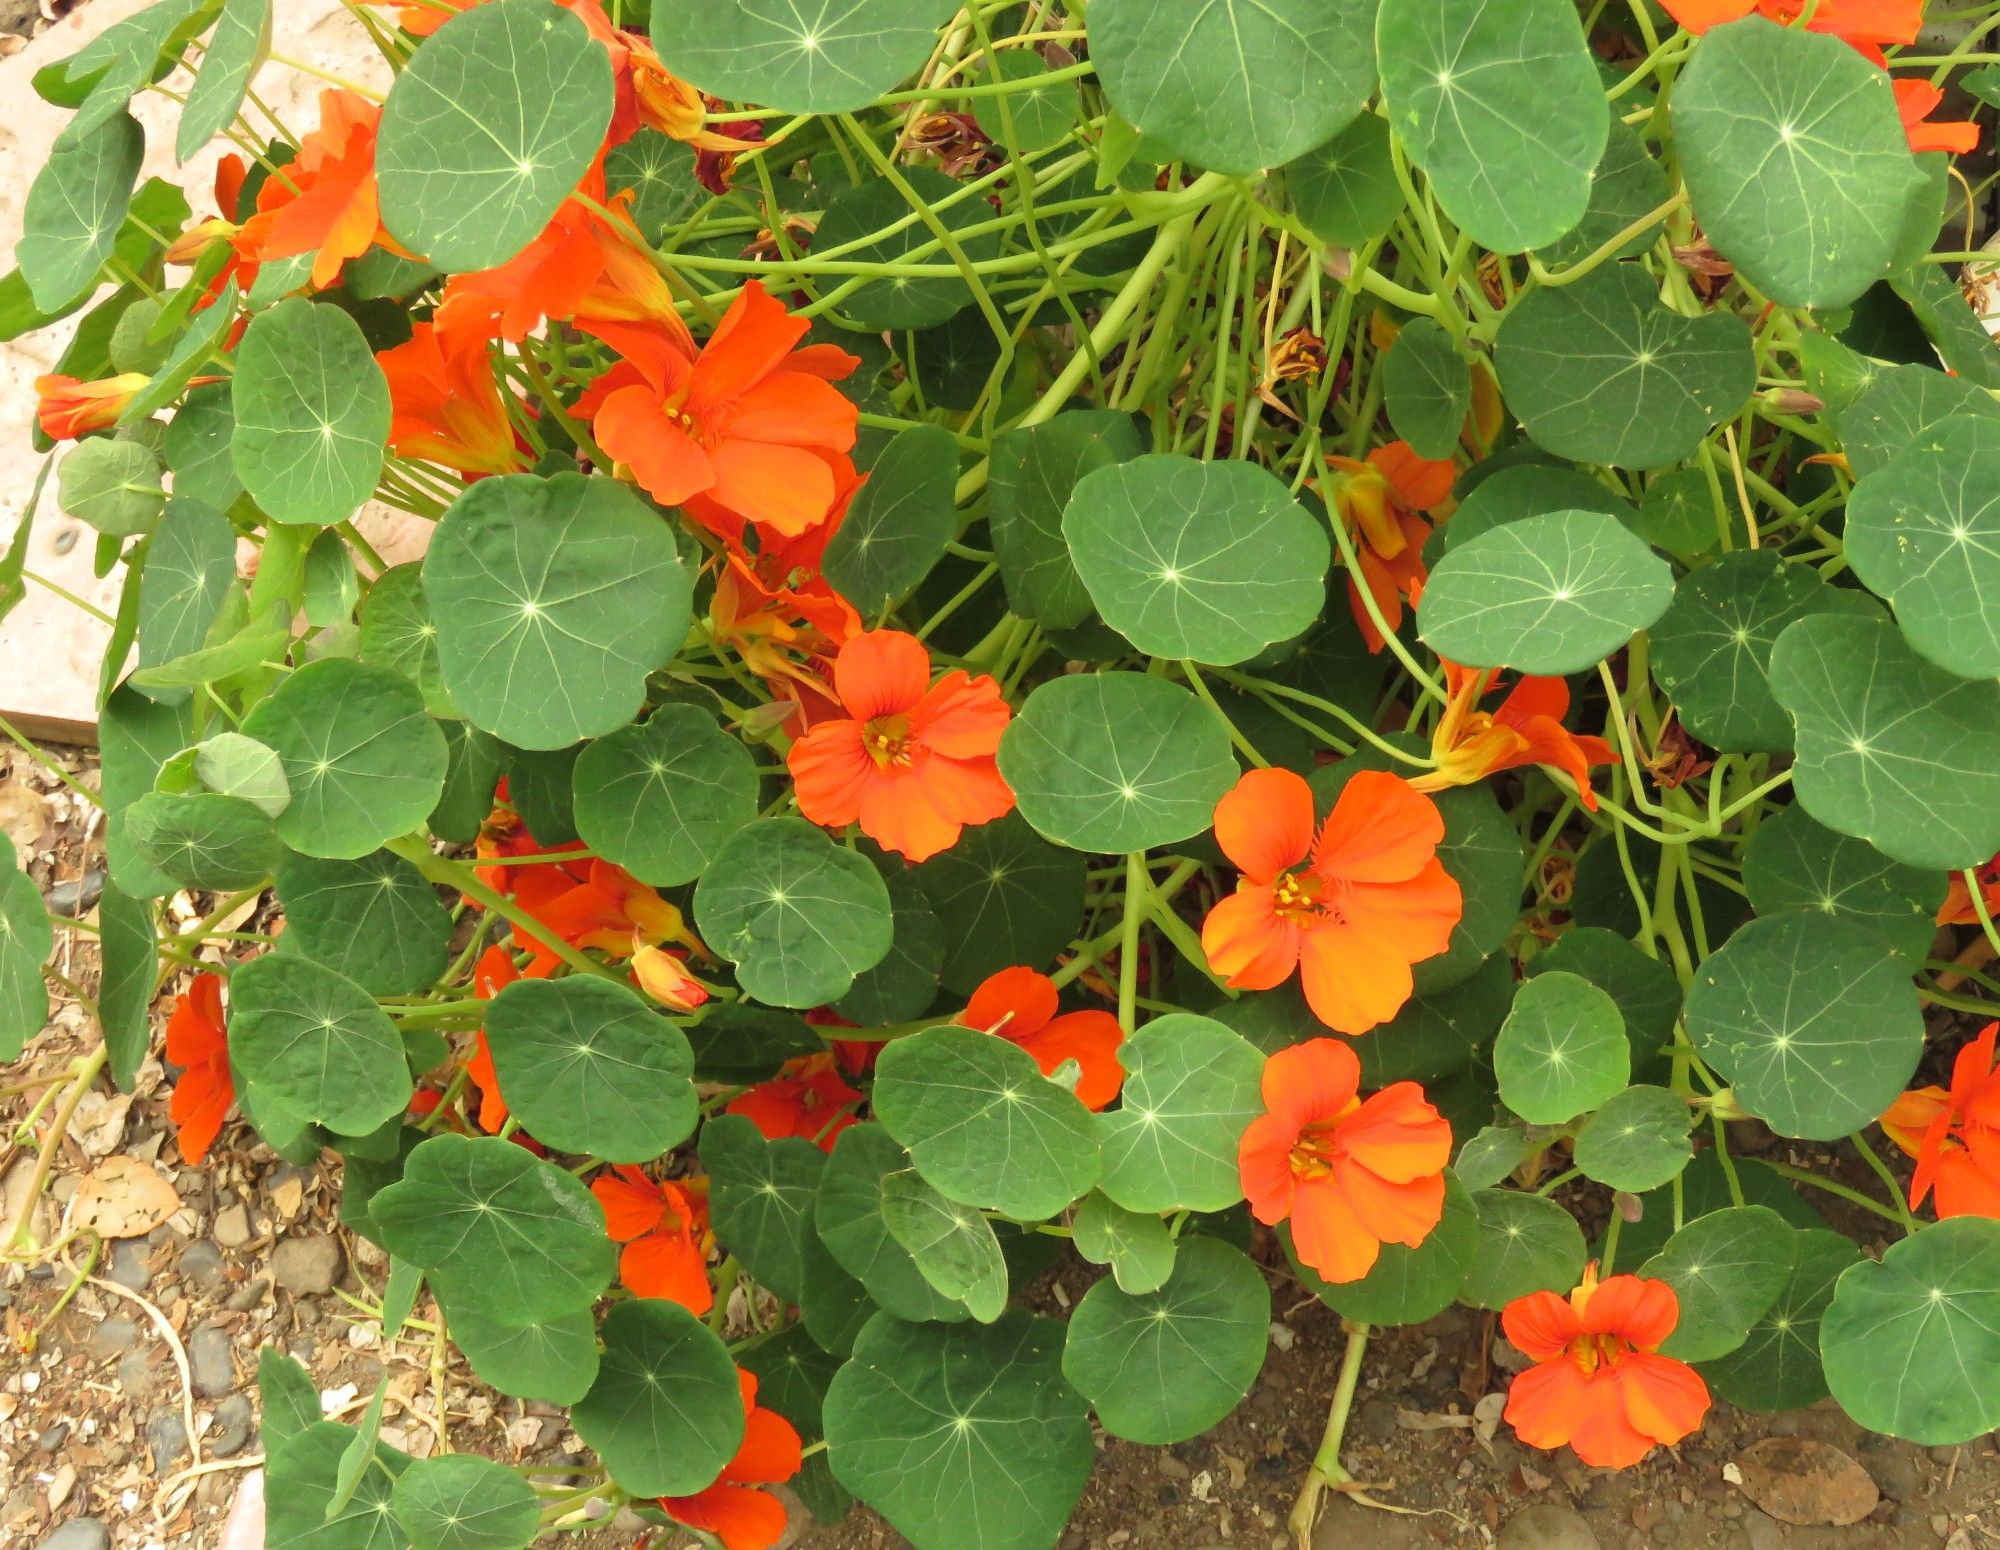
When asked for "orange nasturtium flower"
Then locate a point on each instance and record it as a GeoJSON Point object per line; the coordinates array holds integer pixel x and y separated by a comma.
{"type": "Point", "coordinates": [1599, 1383]}
{"type": "Point", "coordinates": [66, 408]}
{"type": "Point", "coordinates": [1869, 25]}
{"type": "Point", "coordinates": [912, 762]}
{"type": "Point", "coordinates": [1525, 728]}
{"type": "Point", "coordinates": [752, 427]}
{"type": "Point", "coordinates": [733, 1509]}
{"type": "Point", "coordinates": [1916, 101]}
{"type": "Point", "coordinates": [324, 200]}
{"type": "Point", "coordinates": [664, 976]}
{"type": "Point", "coordinates": [197, 1044]}
{"type": "Point", "coordinates": [447, 405]}
{"type": "Point", "coordinates": [1958, 908]}
{"type": "Point", "coordinates": [1351, 1174]}
{"type": "Point", "coordinates": [807, 1099]}
{"type": "Point", "coordinates": [664, 1227]}
{"type": "Point", "coordinates": [1020, 1006]}
{"type": "Point", "coordinates": [1955, 1135]}
{"type": "Point", "coordinates": [1351, 907]}
{"type": "Point", "coordinates": [1377, 501]}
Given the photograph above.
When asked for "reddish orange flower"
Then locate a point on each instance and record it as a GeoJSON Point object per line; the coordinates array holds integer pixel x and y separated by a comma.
{"type": "Point", "coordinates": [493, 973]}
{"type": "Point", "coordinates": [912, 762]}
{"type": "Point", "coordinates": [1378, 501]}
{"type": "Point", "coordinates": [1351, 907]}
{"type": "Point", "coordinates": [198, 1044]}
{"type": "Point", "coordinates": [613, 912]}
{"type": "Point", "coordinates": [774, 608]}
{"type": "Point", "coordinates": [323, 201]}
{"type": "Point", "coordinates": [1870, 25]}
{"type": "Point", "coordinates": [1916, 101]}
{"type": "Point", "coordinates": [1020, 1006]}
{"type": "Point", "coordinates": [1599, 1383]}
{"type": "Point", "coordinates": [420, 21]}
{"type": "Point", "coordinates": [806, 1099]}
{"type": "Point", "coordinates": [1349, 1174]}
{"type": "Point", "coordinates": [733, 1509]}
{"type": "Point", "coordinates": [1525, 728]}
{"type": "Point", "coordinates": [751, 429]}
{"type": "Point", "coordinates": [664, 1227]}
{"type": "Point", "coordinates": [667, 103]}
{"type": "Point", "coordinates": [1958, 908]}
{"type": "Point", "coordinates": [664, 976]}
{"type": "Point", "coordinates": [66, 408]}
{"type": "Point", "coordinates": [1955, 1135]}
{"type": "Point", "coordinates": [447, 406]}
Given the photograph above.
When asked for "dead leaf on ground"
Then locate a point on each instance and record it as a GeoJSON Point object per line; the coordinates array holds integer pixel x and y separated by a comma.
{"type": "Point", "coordinates": [99, 1123]}
{"type": "Point", "coordinates": [124, 1198]}
{"type": "Point", "coordinates": [1808, 1483]}
{"type": "Point", "coordinates": [23, 815]}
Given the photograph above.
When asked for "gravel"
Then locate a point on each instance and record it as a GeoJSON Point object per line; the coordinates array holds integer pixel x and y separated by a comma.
{"type": "Point", "coordinates": [307, 1267]}
{"type": "Point", "coordinates": [233, 1425]}
{"type": "Point", "coordinates": [209, 1360]}
{"type": "Point", "coordinates": [77, 1534]}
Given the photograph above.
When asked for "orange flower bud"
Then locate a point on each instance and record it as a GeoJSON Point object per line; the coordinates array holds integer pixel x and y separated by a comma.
{"type": "Point", "coordinates": [67, 408]}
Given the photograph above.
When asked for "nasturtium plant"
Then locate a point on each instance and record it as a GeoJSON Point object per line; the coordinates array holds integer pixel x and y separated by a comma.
{"type": "Point", "coordinates": [1052, 676]}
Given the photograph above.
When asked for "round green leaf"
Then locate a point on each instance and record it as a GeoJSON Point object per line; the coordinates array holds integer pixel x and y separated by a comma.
{"type": "Point", "coordinates": [497, 1228]}
{"type": "Point", "coordinates": [1003, 896]}
{"type": "Point", "coordinates": [190, 567]}
{"type": "Point", "coordinates": [660, 171]}
{"type": "Point", "coordinates": [798, 916]}
{"type": "Point", "coordinates": [316, 1044]}
{"type": "Point", "coordinates": [114, 486]}
{"type": "Point", "coordinates": [1502, 108]}
{"type": "Point", "coordinates": [1637, 1140]}
{"type": "Point", "coordinates": [1035, 470]}
{"type": "Point", "coordinates": [1239, 85]}
{"type": "Point", "coordinates": [1924, 532]}
{"type": "Point", "coordinates": [799, 56]}
{"type": "Point", "coordinates": [375, 920]}
{"type": "Point", "coordinates": [75, 208]}
{"type": "Point", "coordinates": [1793, 863]}
{"type": "Point", "coordinates": [1004, 1439]}
{"type": "Point", "coordinates": [1627, 186]}
{"type": "Point", "coordinates": [1116, 762]}
{"type": "Point", "coordinates": [952, 1245]}
{"type": "Point", "coordinates": [1891, 749]}
{"type": "Point", "coordinates": [761, 1196]}
{"type": "Point", "coordinates": [1562, 1050]}
{"type": "Point", "coordinates": [554, 598]}
{"type": "Point", "coordinates": [397, 631]}
{"type": "Point", "coordinates": [1811, 1018]}
{"type": "Point", "coordinates": [899, 521]}
{"type": "Point", "coordinates": [1777, 1367]}
{"type": "Point", "coordinates": [660, 798]}
{"type": "Point", "coordinates": [1681, 514]}
{"type": "Point", "coordinates": [1165, 1366]}
{"type": "Point", "coordinates": [1032, 119]}
{"type": "Point", "coordinates": [460, 1501]}
{"type": "Point", "coordinates": [488, 131]}
{"type": "Point", "coordinates": [666, 1412]}
{"type": "Point", "coordinates": [1647, 991]}
{"type": "Point", "coordinates": [1407, 1285]}
{"type": "Point", "coordinates": [873, 224]}
{"type": "Point", "coordinates": [1526, 1244]}
{"type": "Point", "coordinates": [240, 42]}
{"type": "Point", "coordinates": [198, 448]}
{"type": "Point", "coordinates": [983, 1124]}
{"type": "Point", "coordinates": [1795, 158]}
{"type": "Point", "coordinates": [26, 940]}
{"type": "Point", "coordinates": [1526, 490]}
{"type": "Point", "coordinates": [312, 414]}
{"type": "Point", "coordinates": [589, 1067]}
{"type": "Point", "coordinates": [1603, 372]}
{"type": "Point", "coordinates": [553, 1358]}
{"type": "Point", "coordinates": [364, 762]}
{"type": "Point", "coordinates": [1213, 561]}
{"type": "Point", "coordinates": [1712, 648]}
{"type": "Point", "coordinates": [1139, 1248]}
{"type": "Point", "coordinates": [201, 840]}
{"type": "Point", "coordinates": [903, 985]}
{"type": "Point", "coordinates": [1727, 1268]}
{"type": "Point", "coordinates": [1427, 388]}
{"type": "Point", "coordinates": [305, 1511]}
{"type": "Point", "coordinates": [1191, 1089]}
{"type": "Point", "coordinates": [1910, 1343]}
{"type": "Point", "coordinates": [1550, 594]}
{"type": "Point", "coordinates": [1900, 406]}
{"type": "Point", "coordinates": [848, 1216]}
{"type": "Point", "coordinates": [1345, 190]}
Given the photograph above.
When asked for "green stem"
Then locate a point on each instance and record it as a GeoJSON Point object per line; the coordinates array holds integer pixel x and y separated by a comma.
{"type": "Point", "coordinates": [1326, 1468]}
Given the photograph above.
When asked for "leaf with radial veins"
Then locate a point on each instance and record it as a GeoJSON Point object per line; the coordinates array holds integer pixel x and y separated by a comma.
{"type": "Point", "coordinates": [374, 919]}
{"type": "Point", "coordinates": [75, 207]}
{"type": "Point", "coordinates": [553, 598]}
{"type": "Point", "coordinates": [1191, 1089]}
{"type": "Point", "coordinates": [316, 1043]}
{"type": "Point", "coordinates": [488, 130]}
{"type": "Point", "coordinates": [1794, 863]}
{"type": "Point", "coordinates": [799, 56]}
{"type": "Point", "coordinates": [1548, 594]}
{"type": "Point", "coordinates": [953, 1245]}
{"type": "Point", "coordinates": [1811, 1018]}
{"type": "Point", "coordinates": [312, 414]}
{"type": "Point", "coordinates": [1527, 1243]}
{"type": "Point", "coordinates": [1795, 159]}
{"type": "Point", "coordinates": [1891, 749]}
{"type": "Point", "coordinates": [1345, 190]}
{"type": "Point", "coordinates": [660, 798]}
{"type": "Point", "coordinates": [189, 567]}
{"type": "Point", "coordinates": [460, 1501]}
{"type": "Point", "coordinates": [1035, 470]}
{"type": "Point", "coordinates": [898, 523]}
{"type": "Point", "coordinates": [1213, 561]}
{"type": "Point", "coordinates": [1602, 371]}
{"type": "Point", "coordinates": [241, 40]}
{"type": "Point", "coordinates": [1923, 531]}
{"type": "Point", "coordinates": [1898, 406]}
{"type": "Point", "coordinates": [761, 1198]}
{"type": "Point", "coordinates": [1427, 388]}
{"type": "Point", "coordinates": [1777, 1367]}
{"type": "Point", "coordinates": [1235, 85]}
{"type": "Point", "coordinates": [666, 1412]}
{"type": "Point", "coordinates": [1562, 1050]}
{"type": "Point", "coordinates": [1502, 107]}
{"type": "Point", "coordinates": [1727, 1268]}
{"type": "Point", "coordinates": [848, 1216]}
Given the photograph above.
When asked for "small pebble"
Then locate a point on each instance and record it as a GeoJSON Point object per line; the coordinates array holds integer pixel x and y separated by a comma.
{"type": "Point", "coordinates": [112, 1337]}
{"type": "Point", "coordinates": [137, 1374]}
{"type": "Point", "coordinates": [166, 1440]}
{"type": "Point", "coordinates": [308, 1266]}
{"type": "Point", "coordinates": [244, 1298]}
{"type": "Point", "coordinates": [78, 1534]}
{"type": "Point", "coordinates": [209, 1361]}
{"type": "Point", "coordinates": [128, 1264]}
{"type": "Point", "coordinates": [233, 1423]}
{"type": "Point", "coordinates": [200, 1265]}
{"type": "Point", "coordinates": [54, 1437]}
{"type": "Point", "coordinates": [232, 1227]}
{"type": "Point", "coordinates": [77, 895]}
{"type": "Point", "coordinates": [1545, 1526]}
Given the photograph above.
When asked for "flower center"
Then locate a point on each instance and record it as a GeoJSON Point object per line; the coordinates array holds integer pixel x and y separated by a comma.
{"type": "Point", "coordinates": [887, 739]}
{"type": "Point", "coordinates": [1319, 1150]}
{"type": "Point", "coordinates": [1590, 1352]}
{"type": "Point", "coordinates": [1305, 898]}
